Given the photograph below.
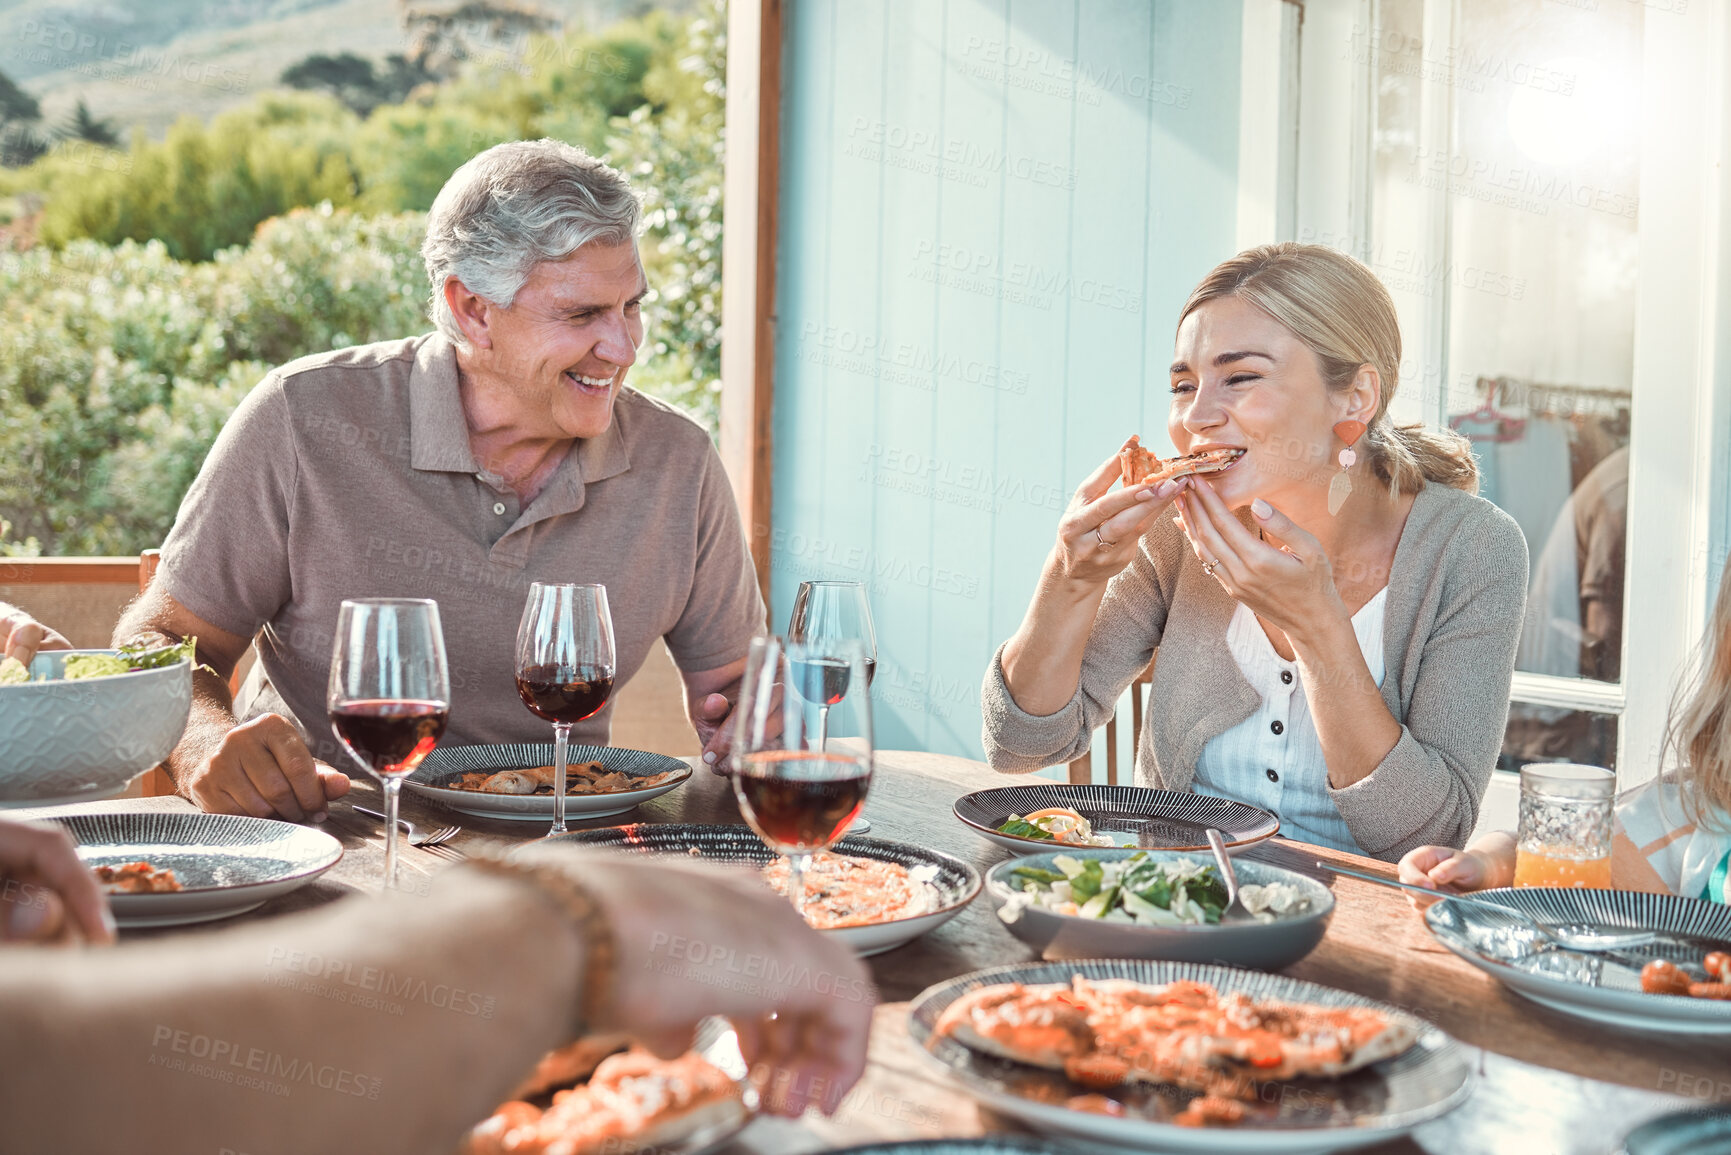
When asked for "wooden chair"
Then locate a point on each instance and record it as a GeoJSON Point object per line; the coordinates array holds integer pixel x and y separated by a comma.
{"type": "Point", "coordinates": [1082, 768]}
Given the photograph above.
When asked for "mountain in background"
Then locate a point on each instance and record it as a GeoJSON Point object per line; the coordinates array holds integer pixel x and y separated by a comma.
{"type": "Point", "coordinates": [144, 63]}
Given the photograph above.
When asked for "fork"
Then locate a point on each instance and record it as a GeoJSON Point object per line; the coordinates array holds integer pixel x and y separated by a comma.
{"type": "Point", "coordinates": [423, 840]}
{"type": "Point", "coordinates": [1590, 942]}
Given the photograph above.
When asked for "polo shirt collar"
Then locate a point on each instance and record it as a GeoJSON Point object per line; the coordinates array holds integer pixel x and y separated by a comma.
{"type": "Point", "coordinates": [438, 433]}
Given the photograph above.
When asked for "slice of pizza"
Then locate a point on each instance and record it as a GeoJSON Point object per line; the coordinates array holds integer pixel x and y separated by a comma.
{"type": "Point", "coordinates": [574, 1061]}
{"type": "Point", "coordinates": [633, 1102]}
{"type": "Point", "coordinates": [136, 878]}
{"type": "Point", "coordinates": [1138, 466]}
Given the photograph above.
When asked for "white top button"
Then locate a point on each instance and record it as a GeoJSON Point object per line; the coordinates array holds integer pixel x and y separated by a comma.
{"type": "Point", "coordinates": [498, 507]}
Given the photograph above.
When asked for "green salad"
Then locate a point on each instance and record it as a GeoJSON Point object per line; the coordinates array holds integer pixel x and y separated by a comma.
{"type": "Point", "coordinates": [1142, 890]}
{"type": "Point", "coordinates": [125, 660]}
{"type": "Point", "coordinates": [1137, 889]}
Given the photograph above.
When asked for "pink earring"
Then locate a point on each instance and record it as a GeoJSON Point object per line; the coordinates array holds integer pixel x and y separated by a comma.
{"type": "Point", "coordinates": [1341, 485]}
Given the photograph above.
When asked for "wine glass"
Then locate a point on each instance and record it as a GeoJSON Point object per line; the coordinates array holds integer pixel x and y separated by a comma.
{"type": "Point", "coordinates": [565, 665]}
{"type": "Point", "coordinates": [829, 611]}
{"type": "Point", "coordinates": [798, 794]}
{"type": "Point", "coordinates": [389, 695]}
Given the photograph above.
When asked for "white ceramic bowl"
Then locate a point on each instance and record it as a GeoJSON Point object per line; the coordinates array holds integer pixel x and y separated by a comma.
{"type": "Point", "coordinates": [1256, 945]}
{"type": "Point", "coordinates": [75, 741]}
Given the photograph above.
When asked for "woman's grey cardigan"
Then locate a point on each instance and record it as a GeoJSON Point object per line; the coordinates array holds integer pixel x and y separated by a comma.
{"type": "Point", "coordinates": [1456, 592]}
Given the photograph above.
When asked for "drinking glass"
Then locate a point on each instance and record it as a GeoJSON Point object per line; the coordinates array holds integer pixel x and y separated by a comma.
{"type": "Point", "coordinates": [798, 794]}
{"type": "Point", "coordinates": [1564, 837]}
{"type": "Point", "coordinates": [565, 665]}
{"type": "Point", "coordinates": [389, 695]}
{"type": "Point", "coordinates": [824, 613]}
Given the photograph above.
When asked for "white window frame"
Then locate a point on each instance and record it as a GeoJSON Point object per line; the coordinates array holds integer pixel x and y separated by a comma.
{"type": "Point", "coordinates": [1681, 418]}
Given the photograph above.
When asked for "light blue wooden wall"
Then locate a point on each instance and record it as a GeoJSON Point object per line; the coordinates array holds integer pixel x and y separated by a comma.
{"type": "Point", "coordinates": [991, 212]}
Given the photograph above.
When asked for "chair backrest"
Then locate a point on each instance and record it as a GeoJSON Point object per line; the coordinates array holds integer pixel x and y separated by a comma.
{"type": "Point", "coordinates": [1082, 768]}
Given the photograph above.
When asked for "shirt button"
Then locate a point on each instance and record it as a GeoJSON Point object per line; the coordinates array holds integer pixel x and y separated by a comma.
{"type": "Point", "coordinates": [1277, 727]}
{"type": "Point", "coordinates": [1286, 676]}
{"type": "Point", "coordinates": [1272, 776]}
{"type": "Point", "coordinates": [498, 507]}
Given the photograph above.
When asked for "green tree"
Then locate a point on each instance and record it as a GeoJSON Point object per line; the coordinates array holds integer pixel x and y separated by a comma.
{"type": "Point", "coordinates": [15, 103]}
{"type": "Point", "coordinates": [82, 125]}
{"type": "Point", "coordinates": [354, 81]}
{"type": "Point", "coordinates": [20, 143]}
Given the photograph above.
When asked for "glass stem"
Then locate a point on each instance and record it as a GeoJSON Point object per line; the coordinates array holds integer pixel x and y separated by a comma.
{"type": "Point", "coordinates": [823, 728]}
{"type": "Point", "coordinates": [392, 786]}
{"type": "Point", "coordinates": [561, 736]}
{"type": "Point", "coordinates": [796, 865]}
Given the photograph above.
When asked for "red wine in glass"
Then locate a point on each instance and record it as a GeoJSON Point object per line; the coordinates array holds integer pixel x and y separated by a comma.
{"type": "Point", "coordinates": [391, 736]}
{"type": "Point", "coordinates": [801, 801]}
{"type": "Point", "coordinates": [565, 693]}
{"type": "Point", "coordinates": [797, 793]}
{"type": "Point", "coordinates": [565, 664]}
{"type": "Point", "coordinates": [826, 613]}
{"type": "Point", "coordinates": [389, 694]}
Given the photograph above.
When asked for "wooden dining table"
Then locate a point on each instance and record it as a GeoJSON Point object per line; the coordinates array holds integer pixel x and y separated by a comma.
{"type": "Point", "coordinates": [1545, 1081]}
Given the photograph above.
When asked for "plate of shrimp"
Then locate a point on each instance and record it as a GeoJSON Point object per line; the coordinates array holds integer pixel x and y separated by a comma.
{"type": "Point", "coordinates": [515, 780]}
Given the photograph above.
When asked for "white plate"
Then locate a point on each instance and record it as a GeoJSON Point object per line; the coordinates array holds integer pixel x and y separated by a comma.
{"type": "Point", "coordinates": [447, 762]}
{"type": "Point", "coordinates": [1372, 1105]}
{"type": "Point", "coordinates": [1604, 988]}
{"type": "Point", "coordinates": [955, 881]}
{"type": "Point", "coordinates": [226, 864]}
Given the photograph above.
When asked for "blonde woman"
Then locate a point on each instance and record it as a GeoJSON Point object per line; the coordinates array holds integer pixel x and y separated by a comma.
{"type": "Point", "coordinates": [1671, 835]}
{"type": "Point", "coordinates": [1348, 669]}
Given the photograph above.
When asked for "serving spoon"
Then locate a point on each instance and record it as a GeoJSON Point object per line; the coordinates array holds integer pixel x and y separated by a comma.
{"type": "Point", "coordinates": [1235, 910]}
{"type": "Point", "coordinates": [1586, 942]}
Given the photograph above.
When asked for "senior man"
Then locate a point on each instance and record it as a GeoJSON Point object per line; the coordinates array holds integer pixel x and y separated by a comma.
{"type": "Point", "coordinates": [460, 465]}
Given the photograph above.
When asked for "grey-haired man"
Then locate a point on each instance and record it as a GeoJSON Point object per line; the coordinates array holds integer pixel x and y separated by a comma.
{"type": "Point", "coordinates": [460, 465]}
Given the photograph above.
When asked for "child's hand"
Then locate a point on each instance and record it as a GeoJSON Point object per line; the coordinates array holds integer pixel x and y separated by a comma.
{"type": "Point", "coordinates": [1439, 867]}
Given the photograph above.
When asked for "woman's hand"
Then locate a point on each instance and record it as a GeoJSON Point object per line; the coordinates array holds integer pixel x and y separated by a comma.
{"type": "Point", "coordinates": [1099, 532]}
{"type": "Point", "coordinates": [21, 635]}
{"type": "Point", "coordinates": [46, 893]}
{"type": "Point", "coordinates": [1289, 583]}
{"type": "Point", "coordinates": [694, 940]}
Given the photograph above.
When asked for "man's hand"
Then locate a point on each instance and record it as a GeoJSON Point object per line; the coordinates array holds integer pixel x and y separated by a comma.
{"type": "Point", "coordinates": [709, 718]}
{"type": "Point", "coordinates": [709, 699]}
{"type": "Point", "coordinates": [262, 768]}
{"type": "Point", "coordinates": [685, 933]}
{"type": "Point", "coordinates": [46, 893]}
{"type": "Point", "coordinates": [21, 635]}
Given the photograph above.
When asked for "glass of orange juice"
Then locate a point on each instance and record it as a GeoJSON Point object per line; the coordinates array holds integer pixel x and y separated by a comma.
{"type": "Point", "coordinates": [1565, 828]}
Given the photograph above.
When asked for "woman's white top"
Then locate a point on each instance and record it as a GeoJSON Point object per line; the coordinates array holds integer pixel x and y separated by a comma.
{"type": "Point", "coordinates": [1273, 758]}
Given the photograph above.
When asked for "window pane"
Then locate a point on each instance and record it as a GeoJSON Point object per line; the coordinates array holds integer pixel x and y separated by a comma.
{"type": "Point", "coordinates": [1554, 734]}
{"type": "Point", "coordinates": [1530, 282]}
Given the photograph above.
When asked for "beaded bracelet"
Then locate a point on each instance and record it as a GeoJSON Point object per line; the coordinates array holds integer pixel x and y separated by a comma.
{"type": "Point", "coordinates": [600, 948]}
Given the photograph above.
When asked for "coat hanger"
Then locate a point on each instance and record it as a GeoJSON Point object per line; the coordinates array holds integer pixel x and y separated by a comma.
{"type": "Point", "coordinates": [1508, 428]}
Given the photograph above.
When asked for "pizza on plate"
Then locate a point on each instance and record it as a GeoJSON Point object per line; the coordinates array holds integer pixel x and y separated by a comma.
{"type": "Point", "coordinates": [842, 890]}
{"type": "Point", "coordinates": [580, 778]}
{"type": "Point", "coordinates": [1138, 466]}
{"type": "Point", "coordinates": [1108, 1033]}
{"type": "Point", "coordinates": [136, 878]}
{"type": "Point", "coordinates": [631, 1102]}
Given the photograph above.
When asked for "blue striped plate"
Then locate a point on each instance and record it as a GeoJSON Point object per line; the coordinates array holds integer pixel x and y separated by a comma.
{"type": "Point", "coordinates": [433, 777]}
